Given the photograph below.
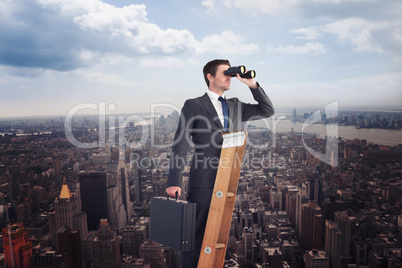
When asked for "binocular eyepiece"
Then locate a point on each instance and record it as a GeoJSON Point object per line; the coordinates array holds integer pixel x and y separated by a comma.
{"type": "Point", "coordinates": [232, 71]}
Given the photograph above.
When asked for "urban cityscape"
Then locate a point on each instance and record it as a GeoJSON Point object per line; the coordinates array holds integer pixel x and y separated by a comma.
{"type": "Point", "coordinates": [81, 198]}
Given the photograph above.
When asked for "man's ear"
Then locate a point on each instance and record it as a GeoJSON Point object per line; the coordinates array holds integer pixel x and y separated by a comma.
{"type": "Point", "coordinates": [209, 76]}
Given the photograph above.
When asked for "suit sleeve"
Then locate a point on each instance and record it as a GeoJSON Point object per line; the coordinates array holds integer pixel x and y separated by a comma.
{"type": "Point", "coordinates": [263, 109]}
{"type": "Point", "coordinates": [180, 146]}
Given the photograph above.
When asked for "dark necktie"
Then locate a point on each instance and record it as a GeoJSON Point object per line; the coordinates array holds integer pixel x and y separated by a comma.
{"type": "Point", "coordinates": [225, 110]}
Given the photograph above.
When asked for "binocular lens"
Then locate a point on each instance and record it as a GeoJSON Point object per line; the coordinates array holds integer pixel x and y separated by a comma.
{"type": "Point", "coordinates": [232, 71]}
{"type": "Point", "coordinates": [249, 74]}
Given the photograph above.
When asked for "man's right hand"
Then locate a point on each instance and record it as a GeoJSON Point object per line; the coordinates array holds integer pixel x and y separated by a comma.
{"type": "Point", "coordinates": [171, 191]}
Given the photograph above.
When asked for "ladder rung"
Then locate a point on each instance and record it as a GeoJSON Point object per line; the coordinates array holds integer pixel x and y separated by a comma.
{"type": "Point", "coordinates": [220, 245]}
{"type": "Point", "coordinates": [230, 194]}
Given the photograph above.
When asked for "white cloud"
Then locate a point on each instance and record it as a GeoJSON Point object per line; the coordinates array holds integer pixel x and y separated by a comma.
{"type": "Point", "coordinates": [310, 48]}
{"type": "Point", "coordinates": [270, 6]}
{"type": "Point", "coordinates": [363, 35]}
{"type": "Point", "coordinates": [261, 6]}
{"type": "Point", "coordinates": [167, 62]}
{"type": "Point", "coordinates": [306, 33]}
{"type": "Point", "coordinates": [209, 4]}
{"type": "Point", "coordinates": [227, 42]}
{"type": "Point", "coordinates": [357, 32]}
{"type": "Point", "coordinates": [70, 34]}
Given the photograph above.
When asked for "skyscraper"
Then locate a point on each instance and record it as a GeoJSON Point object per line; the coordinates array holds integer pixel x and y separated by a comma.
{"type": "Point", "coordinates": [117, 213]}
{"type": "Point", "coordinates": [316, 259]}
{"type": "Point", "coordinates": [137, 183]}
{"type": "Point", "coordinates": [302, 198]}
{"type": "Point", "coordinates": [333, 243]}
{"type": "Point", "coordinates": [315, 190]}
{"type": "Point", "coordinates": [345, 225]}
{"type": "Point", "coordinates": [119, 204]}
{"type": "Point", "coordinates": [123, 178]}
{"type": "Point", "coordinates": [248, 246]}
{"type": "Point", "coordinates": [291, 202]}
{"type": "Point", "coordinates": [152, 253]}
{"type": "Point", "coordinates": [93, 188]}
{"type": "Point", "coordinates": [294, 119]}
{"type": "Point", "coordinates": [17, 248]}
{"type": "Point", "coordinates": [312, 227]}
{"type": "Point", "coordinates": [105, 251]}
{"type": "Point", "coordinates": [68, 212]}
{"type": "Point", "coordinates": [69, 245]}
{"type": "Point", "coordinates": [128, 234]}
{"type": "Point", "coordinates": [275, 197]}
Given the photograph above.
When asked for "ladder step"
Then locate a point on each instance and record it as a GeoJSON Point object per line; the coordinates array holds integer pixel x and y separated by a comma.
{"type": "Point", "coordinates": [229, 194]}
{"type": "Point", "coordinates": [220, 245]}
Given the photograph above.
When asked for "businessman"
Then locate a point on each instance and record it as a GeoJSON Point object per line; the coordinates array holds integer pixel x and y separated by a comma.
{"type": "Point", "coordinates": [202, 122]}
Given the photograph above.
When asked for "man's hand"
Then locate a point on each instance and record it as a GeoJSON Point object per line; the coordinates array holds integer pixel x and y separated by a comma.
{"type": "Point", "coordinates": [250, 82]}
{"type": "Point", "coordinates": [171, 191]}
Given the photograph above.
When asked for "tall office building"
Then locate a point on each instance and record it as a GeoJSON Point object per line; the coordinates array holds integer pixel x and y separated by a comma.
{"type": "Point", "coordinates": [68, 212]}
{"type": "Point", "coordinates": [316, 259]}
{"type": "Point", "coordinates": [123, 179]}
{"type": "Point", "coordinates": [17, 248]}
{"type": "Point", "coordinates": [116, 211]}
{"type": "Point", "coordinates": [93, 191]}
{"type": "Point", "coordinates": [275, 198]}
{"type": "Point", "coordinates": [333, 243]}
{"type": "Point", "coordinates": [248, 247]}
{"type": "Point", "coordinates": [128, 240]}
{"type": "Point", "coordinates": [58, 164]}
{"type": "Point", "coordinates": [345, 225]}
{"type": "Point", "coordinates": [301, 198]}
{"type": "Point", "coordinates": [69, 245]}
{"type": "Point", "coordinates": [290, 202]}
{"type": "Point", "coordinates": [312, 227]}
{"type": "Point", "coordinates": [152, 253]}
{"type": "Point", "coordinates": [120, 207]}
{"type": "Point", "coordinates": [105, 251]}
{"type": "Point", "coordinates": [137, 183]}
{"type": "Point", "coordinates": [314, 188]}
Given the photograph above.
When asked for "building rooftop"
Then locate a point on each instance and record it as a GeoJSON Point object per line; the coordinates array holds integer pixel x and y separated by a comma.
{"type": "Point", "coordinates": [65, 192]}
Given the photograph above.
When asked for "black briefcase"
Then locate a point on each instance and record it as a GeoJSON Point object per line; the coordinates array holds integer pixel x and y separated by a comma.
{"type": "Point", "coordinates": [172, 223]}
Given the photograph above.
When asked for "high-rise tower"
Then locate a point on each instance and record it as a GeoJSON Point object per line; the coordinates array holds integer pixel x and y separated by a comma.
{"type": "Point", "coordinates": [105, 251]}
{"type": "Point", "coordinates": [93, 189]}
{"type": "Point", "coordinates": [152, 253]}
{"type": "Point", "coordinates": [68, 212]}
{"type": "Point", "coordinates": [345, 225]}
{"type": "Point", "coordinates": [312, 227]}
{"type": "Point", "coordinates": [123, 179]}
{"type": "Point", "coordinates": [17, 248]}
{"type": "Point", "coordinates": [333, 243]}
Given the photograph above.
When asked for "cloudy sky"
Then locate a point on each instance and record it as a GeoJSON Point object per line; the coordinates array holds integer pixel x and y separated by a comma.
{"type": "Point", "coordinates": [57, 54]}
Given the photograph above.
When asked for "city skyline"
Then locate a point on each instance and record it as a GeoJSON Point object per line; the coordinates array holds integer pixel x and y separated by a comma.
{"type": "Point", "coordinates": [55, 55]}
{"type": "Point", "coordinates": [283, 191]}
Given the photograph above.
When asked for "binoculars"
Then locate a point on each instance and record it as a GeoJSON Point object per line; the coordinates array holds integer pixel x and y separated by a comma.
{"type": "Point", "coordinates": [232, 71]}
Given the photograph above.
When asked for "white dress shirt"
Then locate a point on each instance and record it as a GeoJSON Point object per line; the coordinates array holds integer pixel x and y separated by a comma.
{"type": "Point", "coordinates": [217, 104]}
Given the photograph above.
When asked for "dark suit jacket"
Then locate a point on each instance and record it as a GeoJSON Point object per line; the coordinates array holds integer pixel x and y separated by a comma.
{"type": "Point", "coordinates": [199, 121]}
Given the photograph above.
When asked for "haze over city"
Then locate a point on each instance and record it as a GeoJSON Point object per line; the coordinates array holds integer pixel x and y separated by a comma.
{"type": "Point", "coordinates": [57, 54]}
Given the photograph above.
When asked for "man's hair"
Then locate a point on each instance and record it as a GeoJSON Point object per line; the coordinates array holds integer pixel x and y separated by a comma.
{"type": "Point", "coordinates": [211, 67]}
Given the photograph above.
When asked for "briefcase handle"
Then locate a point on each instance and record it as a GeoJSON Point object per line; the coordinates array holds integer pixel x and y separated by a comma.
{"type": "Point", "coordinates": [177, 195]}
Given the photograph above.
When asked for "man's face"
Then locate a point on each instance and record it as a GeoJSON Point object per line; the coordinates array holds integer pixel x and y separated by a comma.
{"type": "Point", "coordinates": [221, 81]}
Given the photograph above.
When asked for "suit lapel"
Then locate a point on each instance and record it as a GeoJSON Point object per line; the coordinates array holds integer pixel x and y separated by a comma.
{"type": "Point", "coordinates": [209, 107]}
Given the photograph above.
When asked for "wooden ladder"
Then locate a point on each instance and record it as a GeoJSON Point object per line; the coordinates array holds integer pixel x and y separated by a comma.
{"type": "Point", "coordinates": [222, 202]}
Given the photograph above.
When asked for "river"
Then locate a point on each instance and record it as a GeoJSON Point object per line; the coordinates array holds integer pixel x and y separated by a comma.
{"type": "Point", "coordinates": [388, 137]}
